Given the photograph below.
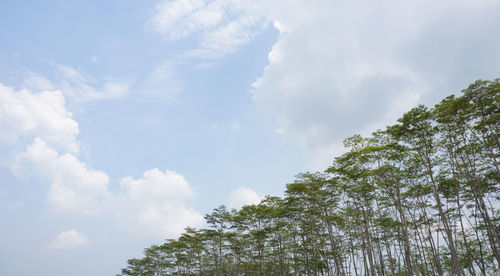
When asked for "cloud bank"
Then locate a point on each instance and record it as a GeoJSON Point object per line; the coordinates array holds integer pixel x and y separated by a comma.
{"type": "Point", "coordinates": [340, 68]}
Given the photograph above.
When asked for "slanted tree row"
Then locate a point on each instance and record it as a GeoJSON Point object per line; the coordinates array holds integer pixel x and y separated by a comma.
{"type": "Point", "coordinates": [418, 198]}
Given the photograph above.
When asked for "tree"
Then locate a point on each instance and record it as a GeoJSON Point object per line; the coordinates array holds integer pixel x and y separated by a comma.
{"type": "Point", "coordinates": [384, 207]}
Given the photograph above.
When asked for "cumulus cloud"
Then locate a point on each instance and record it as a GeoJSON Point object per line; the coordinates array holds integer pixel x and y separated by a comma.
{"type": "Point", "coordinates": [27, 114]}
{"type": "Point", "coordinates": [340, 68]}
{"type": "Point", "coordinates": [243, 196]}
{"type": "Point", "coordinates": [73, 185]}
{"type": "Point", "coordinates": [221, 26]}
{"type": "Point", "coordinates": [154, 205]}
{"type": "Point", "coordinates": [69, 239]}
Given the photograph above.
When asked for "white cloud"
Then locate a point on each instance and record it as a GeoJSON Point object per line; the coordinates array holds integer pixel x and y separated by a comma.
{"type": "Point", "coordinates": [221, 26]}
{"type": "Point", "coordinates": [340, 68]}
{"type": "Point", "coordinates": [154, 205]}
{"type": "Point", "coordinates": [83, 88]}
{"type": "Point", "coordinates": [69, 239]}
{"type": "Point", "coordinates": [27, 114]}
{"type": "Point", "coordinates": [163, 83]}
{"type": "Point", "coordinates": [43, 119]}
{"type": "Point", "coordinates": [73, 185]}
{"type": "Point", "coordinates": [37, 82]}
{"type": "Point", "coordinates": [243, 196]}
{"type": "Point", "coordinates": [170, 15]}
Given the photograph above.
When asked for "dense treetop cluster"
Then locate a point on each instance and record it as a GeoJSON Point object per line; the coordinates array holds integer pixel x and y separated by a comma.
{"type": "Point", "coordinates": [418, 198]}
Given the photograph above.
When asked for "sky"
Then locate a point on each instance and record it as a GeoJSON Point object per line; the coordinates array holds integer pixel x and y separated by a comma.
{"type": "Point", "coordinates": [123, 122]}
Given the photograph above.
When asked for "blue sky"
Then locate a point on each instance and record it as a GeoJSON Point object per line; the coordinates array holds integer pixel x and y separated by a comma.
{"type": "Point", "coordinates": [121, 122]}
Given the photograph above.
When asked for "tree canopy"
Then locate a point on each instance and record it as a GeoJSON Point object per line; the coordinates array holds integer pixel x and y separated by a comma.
{"type": "Point", "coordinates": [418, 198]}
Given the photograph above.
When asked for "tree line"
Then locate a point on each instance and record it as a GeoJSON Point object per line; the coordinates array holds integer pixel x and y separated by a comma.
{"type": "Point", "coordinates": [418, 198]}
